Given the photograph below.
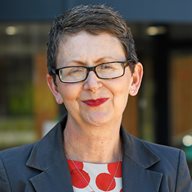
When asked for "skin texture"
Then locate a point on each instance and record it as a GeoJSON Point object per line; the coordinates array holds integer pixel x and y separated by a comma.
{"type": "Point", "coordinates": [95, 128]}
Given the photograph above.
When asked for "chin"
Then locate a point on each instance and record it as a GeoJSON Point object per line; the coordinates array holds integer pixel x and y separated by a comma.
{"type": "Point", "coordinates": [99, 119]}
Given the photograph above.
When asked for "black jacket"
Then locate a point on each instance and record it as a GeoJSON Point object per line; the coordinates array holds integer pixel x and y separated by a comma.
{"type": "Point", "coordinates": [42, 167]}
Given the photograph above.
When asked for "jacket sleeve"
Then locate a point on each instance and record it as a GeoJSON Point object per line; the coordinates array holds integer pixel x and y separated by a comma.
{"type": "Point", "coordinates": [183, 182]}
{"type": "Point", "coordinates": [4, 182]}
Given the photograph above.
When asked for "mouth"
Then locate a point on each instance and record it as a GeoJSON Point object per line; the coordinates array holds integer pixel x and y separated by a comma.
{"type": "Point", "coordinates": [95, 102]}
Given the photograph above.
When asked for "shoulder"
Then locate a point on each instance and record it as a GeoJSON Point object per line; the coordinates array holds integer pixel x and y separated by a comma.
{"type": "Point", "coordinates": [146, 147]}
{"type": "Point", "coordinates": [19, 164]}
{"type": "Point", "coordinates": [162, 151]}
{"type": "Point", "coordinates": [15, 156]}
{"type": "Point", "coordinates": [168, 161]}
{"type": "Point", "coordinates": [13, 171]}
{"type": "Point", "coordinates": [169, 156]}
{"type": "Point", "coordinates": [174, 165]}
{"type": "Point", "coordinates": [16, 151]}
{"type": "Point", "coordinates": [145, 153]}
{"type": "Point", "coordinates": [21, 153]}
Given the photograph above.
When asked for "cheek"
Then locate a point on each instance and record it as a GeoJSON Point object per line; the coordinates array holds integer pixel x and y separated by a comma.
{"type": "Point", "coordinates": [121, 96]}
{"type": "Point", "coordinates": [70, 94]}
{"type": "Point", "coordinates": [121, 93]}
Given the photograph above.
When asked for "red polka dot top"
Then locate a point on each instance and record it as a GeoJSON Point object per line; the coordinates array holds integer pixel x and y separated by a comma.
{"type": "Point", "coordinates": [91, 177]}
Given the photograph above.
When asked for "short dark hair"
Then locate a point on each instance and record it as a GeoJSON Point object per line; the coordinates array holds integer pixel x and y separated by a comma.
{"type": "Point", "coordinates": [93, 19]}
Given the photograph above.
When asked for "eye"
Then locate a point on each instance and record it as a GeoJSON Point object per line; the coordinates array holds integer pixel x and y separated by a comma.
{"type": "Point", "coordinates": [110, 66]}
{"type": "Point", "coordinates": [71, 71]}
{"type": "Point", "coordinates": [106, 66]}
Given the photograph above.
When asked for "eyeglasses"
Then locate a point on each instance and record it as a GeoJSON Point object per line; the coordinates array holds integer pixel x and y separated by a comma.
{"type": "Point", "coordinates": [75, 74]}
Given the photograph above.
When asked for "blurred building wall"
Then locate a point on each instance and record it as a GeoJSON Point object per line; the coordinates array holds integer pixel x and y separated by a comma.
{"type": "Point", "coordinates": [133, 10]}
{"type": "Point", "coordinates": [163, 33]}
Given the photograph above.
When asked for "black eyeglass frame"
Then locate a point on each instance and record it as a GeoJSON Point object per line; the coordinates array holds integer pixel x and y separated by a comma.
{"type": "Point", "coordinates": [92, 68]}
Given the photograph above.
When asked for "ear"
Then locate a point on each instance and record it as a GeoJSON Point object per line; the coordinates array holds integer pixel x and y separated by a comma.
{"type": "Point", "coordinates": [137, 78]}
{"type": "Point", "coordinates": [53, 87]}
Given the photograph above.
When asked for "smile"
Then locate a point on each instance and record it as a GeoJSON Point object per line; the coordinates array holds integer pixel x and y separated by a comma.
{"type": "Point", "coordinates": [95, 102]}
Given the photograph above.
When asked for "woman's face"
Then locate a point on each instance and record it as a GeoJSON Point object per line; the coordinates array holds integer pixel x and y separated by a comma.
{"type": "Point", "coordinates": [94, 101]}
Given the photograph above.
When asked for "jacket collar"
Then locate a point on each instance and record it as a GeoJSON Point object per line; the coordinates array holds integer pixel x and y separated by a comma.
{"type": "Point", "coordinates": [49, 150]}
{"type": "Point", "coordinates": [137, 150]}
{"type": "Point", "coordinates": [138, 160]}
{"type": "Point", "coordinates": [48, 158]}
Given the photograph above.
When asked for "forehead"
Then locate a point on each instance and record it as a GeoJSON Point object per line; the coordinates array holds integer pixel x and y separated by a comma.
{"type": "Point", "coordinates": [84, 46]}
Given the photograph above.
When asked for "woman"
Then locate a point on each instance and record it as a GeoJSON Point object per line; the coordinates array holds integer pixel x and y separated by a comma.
{"type": "Point", "coordinates": [93, 68]}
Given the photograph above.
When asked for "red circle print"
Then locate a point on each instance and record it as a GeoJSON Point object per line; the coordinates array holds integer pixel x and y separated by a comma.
{"type": "Point", "coordinates": [105, 181]}
{"type": "Point", "coordinates": [80, 178]}
{"type": "Point", "coordinates": [75, 165]}
{"type": "Point", "coordinates": [121, 190]}
{"type": "Point", "coordinates": [112, 168]}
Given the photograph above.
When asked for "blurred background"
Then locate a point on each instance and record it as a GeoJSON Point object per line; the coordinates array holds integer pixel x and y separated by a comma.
{"type": "Point", "coordinates": [161, 113]}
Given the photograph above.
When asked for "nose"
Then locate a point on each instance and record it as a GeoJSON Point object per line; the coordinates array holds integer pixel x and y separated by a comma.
{"type": "Point", "coordinates": [92, 82]}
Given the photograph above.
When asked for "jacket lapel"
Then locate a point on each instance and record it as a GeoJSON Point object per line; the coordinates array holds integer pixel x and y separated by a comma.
{"type": "Point", "coordinates": [52, 174]}
{"type": "Point", "coordinates": [48, 160]}
{"type": "Point", "coordinates": [137, 161]}
{"type": "Point", "coordinates": [137, 178]}
{"type": "Point", "coordinates": [53, 179]}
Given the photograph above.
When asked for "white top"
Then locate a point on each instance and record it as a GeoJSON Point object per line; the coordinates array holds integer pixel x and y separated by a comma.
{"type": "Point", "coordinates": [96, 177]}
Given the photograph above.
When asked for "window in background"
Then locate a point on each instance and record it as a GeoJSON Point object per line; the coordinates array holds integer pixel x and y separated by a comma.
{"type": "Point", "coordinates": [181, 101]}
{"type": "Point", "coordinates": [23, 83]}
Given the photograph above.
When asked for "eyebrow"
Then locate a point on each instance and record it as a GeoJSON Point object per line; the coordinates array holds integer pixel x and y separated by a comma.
{"type": "Point", "coordinates": [98, 61]}
{"type": "Point", "coordinates": [103, 59]}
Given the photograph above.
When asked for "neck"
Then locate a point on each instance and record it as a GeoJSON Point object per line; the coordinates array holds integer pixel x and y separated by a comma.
{"type": "Point", "coordinates": [97, 145]}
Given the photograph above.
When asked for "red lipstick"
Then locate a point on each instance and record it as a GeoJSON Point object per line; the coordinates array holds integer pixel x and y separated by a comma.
{"type": "Point", "coordinates": [95, 102]}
